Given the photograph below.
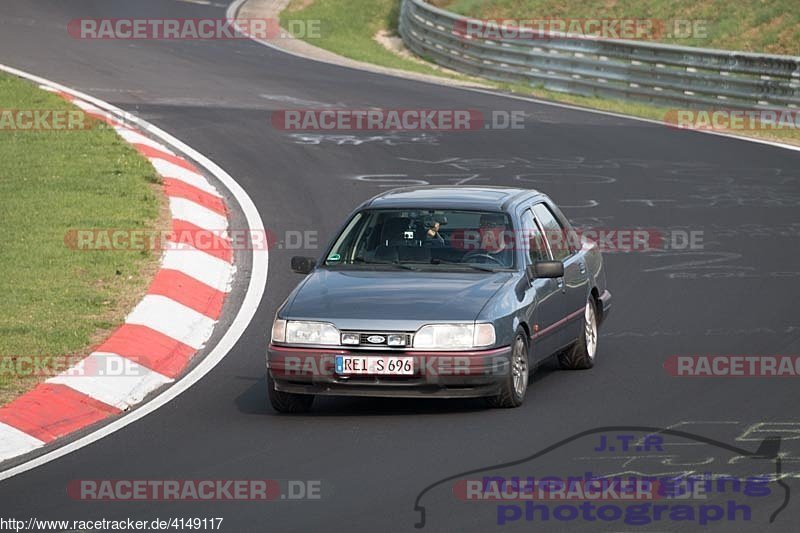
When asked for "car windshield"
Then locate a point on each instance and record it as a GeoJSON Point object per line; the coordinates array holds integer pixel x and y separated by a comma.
{"type": "Point", "coordinates": [421, 238]}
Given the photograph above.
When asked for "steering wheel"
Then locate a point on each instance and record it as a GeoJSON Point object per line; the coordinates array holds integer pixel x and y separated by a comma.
{"type": "Point", "coordinates": [471, 255]}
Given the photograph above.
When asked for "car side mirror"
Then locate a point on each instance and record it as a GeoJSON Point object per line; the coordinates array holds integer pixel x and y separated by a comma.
{"type": "Point", "coordinates": [530, 273]}
{"type": "Point", "coordinates": [303, 265]}
{"type": "Point", "coordinates": [547, 269]}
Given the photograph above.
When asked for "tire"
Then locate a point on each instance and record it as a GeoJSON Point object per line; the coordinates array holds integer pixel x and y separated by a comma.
{"type": "Point", "coordinates": [581, 355]}
{"type": "Point", "coordinates": [515, 385]}
{"type": "Point", "coordinates": [287, 402]}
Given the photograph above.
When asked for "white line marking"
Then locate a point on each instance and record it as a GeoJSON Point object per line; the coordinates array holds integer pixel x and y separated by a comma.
{"type": "Point", "coordinates": [200, 216]}
{"type": "Point", "coordinates": [93, 109]}
{"type": "Point", "coordinates": [202, 3]}
{"type": "Point", "coordinates": [112, 379]}
{"type": "Point", "coordinates": [199, 265]}
{"type": "Point", "coordinates": [134, 137]}
{"type": "Point", "coordinates": [250, 303]}
{"type": "Point", "coordinates": [173, 319]}
{"type": "Point", "coordinates": [171, 170]}
{"type": "Point", "coordinates": [14, 442]}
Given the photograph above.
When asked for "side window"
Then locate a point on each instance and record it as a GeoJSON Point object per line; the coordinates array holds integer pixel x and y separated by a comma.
{"type": "Point", "coordinates": [537, 249]}
{"type": "Point", "coordinates": [553, 232]}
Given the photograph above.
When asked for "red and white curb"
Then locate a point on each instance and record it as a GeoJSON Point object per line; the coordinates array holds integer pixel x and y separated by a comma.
{"type": "Point", "coordinates": [160, 335]}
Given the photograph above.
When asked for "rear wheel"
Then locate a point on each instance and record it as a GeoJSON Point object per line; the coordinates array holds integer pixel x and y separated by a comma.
{"type": "Point", "coordinates": [287, 402]}
{"type": "Point", "coordinates": [515, 385]}
{"type": "Point", "coordinates": [582, 354]}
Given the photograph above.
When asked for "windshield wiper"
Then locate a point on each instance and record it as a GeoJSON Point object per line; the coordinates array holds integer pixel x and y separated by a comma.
{"type": "Point", "coordinates": [473, 266]}
{"type": "Point", "coordinates": [388, 263]}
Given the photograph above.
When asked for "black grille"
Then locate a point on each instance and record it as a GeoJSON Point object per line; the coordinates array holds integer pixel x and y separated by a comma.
{"type": "Point", "coordinates": [364, 336]}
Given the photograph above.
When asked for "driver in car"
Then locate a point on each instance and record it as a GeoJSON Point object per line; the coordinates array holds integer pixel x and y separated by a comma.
{"type": "Point", "coordinates": [494, 246]}
{"type": "Point", "coordinates": [432, 235]}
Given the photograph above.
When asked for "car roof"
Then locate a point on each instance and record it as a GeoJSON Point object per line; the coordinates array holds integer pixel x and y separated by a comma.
{"type": "Point", "coordinates": [490, 198]}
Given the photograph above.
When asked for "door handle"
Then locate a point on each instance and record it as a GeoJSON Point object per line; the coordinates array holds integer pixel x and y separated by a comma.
{"type": "Point", "coordinates": [582, 267]}
{"type": "Point", "coordinates": [560, 282]}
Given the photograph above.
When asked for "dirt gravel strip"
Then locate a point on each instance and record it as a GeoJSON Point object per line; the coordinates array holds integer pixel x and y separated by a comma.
{"type": "Point", "coordinates": [271, 10]}
{"type": "Point", "coordinates": [160, 335]}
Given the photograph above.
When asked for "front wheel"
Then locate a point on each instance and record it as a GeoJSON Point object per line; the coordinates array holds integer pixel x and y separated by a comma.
{"type": "Point", "coordinates": [515, 384]}
{"type": "Point", "coordinates": [582, 354]}
{"type": "Point", "coordinates": [287, 402]}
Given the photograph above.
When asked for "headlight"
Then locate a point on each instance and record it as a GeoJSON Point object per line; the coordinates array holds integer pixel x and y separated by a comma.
{"type": "Point", "coordinates": [454, 336]}
{"type": "Point", "coordinates": [311, 333]}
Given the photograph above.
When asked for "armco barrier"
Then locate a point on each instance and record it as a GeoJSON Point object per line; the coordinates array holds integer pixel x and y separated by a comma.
{"type": "Point", "coordinates": [661, 74]}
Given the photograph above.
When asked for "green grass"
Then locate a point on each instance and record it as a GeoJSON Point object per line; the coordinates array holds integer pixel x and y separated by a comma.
{"type": "Point", "coordinates": [56, 300]}
{"type": "Point", "coordinates": [769, 26]}
{"type": "Point", "coordinates": [348, 28]}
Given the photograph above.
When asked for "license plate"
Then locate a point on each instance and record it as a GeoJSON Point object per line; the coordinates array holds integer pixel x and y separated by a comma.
{"type": "Point", "coordinates": [375, 365]}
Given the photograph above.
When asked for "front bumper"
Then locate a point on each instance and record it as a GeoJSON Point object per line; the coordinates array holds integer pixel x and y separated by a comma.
{"type": "Point", "coordinates": [436, 374]}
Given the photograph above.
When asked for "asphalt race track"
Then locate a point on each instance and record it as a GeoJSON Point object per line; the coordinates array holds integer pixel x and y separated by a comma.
{"type": "Point", "coordinates": [733, 295]}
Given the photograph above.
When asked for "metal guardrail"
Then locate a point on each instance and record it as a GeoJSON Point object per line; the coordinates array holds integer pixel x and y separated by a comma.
{"type": "Point", "coordinates": [661, 74]}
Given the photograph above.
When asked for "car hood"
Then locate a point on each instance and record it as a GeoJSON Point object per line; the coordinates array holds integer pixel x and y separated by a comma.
{"type": "Point", "coordinates": [392, 300]}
